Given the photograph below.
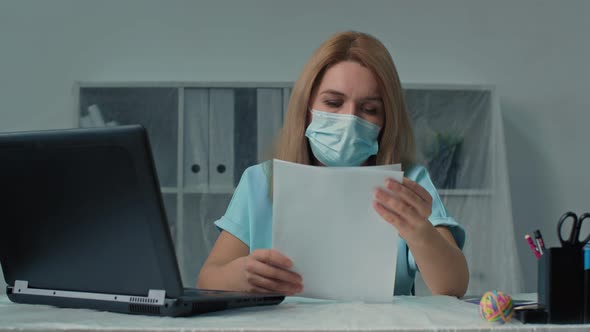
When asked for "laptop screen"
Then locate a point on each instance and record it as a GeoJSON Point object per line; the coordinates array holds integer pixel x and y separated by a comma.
{"type": "Point", "coordinates": [81, 211]}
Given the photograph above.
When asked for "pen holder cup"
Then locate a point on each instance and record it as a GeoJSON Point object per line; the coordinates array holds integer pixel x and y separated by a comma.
{"type": "Point", "coordinates": [561, 285]}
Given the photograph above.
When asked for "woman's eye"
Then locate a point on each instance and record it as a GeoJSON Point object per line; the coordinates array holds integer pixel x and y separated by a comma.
{"type": "Point", "coordinates": [333, 103]}
{"type": "Point", "coordinates": [370, 111]}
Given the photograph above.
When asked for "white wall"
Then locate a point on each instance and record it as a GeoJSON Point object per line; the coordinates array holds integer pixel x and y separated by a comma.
{"type": "Point", "coordinates": [536, 52]}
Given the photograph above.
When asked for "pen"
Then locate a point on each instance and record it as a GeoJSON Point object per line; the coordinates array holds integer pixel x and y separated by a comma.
{"type": "Point", "coordinates": [539, 240]}
{"type": "Point", "coordinates": [532, 245]}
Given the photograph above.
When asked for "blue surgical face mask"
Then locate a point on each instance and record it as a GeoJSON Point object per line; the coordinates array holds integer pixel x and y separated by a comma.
{"type": "Point", "coordinates": [341, 139]}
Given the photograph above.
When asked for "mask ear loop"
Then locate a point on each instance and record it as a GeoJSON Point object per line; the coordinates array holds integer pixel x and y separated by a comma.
{"type": "Point", "coordinates": [309, 116]}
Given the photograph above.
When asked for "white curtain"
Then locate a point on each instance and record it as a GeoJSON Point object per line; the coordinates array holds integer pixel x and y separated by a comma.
{"type": "Point", "coordinates": [460, 140]}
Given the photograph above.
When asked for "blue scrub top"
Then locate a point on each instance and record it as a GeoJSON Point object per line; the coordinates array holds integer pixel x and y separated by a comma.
{"type": "Point", "coordinates": [249, 218]}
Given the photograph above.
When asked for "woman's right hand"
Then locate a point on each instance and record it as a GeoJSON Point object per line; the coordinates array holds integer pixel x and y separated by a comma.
{"type": "Point", "coordinates": [266, 271]}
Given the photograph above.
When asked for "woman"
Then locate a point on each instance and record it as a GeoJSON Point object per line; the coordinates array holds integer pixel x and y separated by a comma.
{"type": "Point", "coordinates": [346, 109]}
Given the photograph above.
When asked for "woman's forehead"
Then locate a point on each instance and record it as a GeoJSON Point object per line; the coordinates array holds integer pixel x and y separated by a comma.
{"type": "Point", "coordinates": [351, 79]}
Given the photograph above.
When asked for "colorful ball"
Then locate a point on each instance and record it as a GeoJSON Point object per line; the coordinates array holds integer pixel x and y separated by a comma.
{"type": "Point", "coordinates": [496, 306]}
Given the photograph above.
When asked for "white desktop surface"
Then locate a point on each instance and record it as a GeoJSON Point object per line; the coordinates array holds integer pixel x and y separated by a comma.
{"type": "Point", "coordinates": [434, 313]}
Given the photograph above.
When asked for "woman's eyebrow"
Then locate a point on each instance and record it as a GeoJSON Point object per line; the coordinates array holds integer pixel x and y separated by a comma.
{"type": "Point", "coordinates": [333, 92]}
{"type": "Point", "coordinates": [376, 98]}
{"type": "Point", "coordinates": [341, 94]}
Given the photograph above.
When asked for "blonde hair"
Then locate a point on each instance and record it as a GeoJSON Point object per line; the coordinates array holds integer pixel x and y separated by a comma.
{"type": "Point", "coordinates": [396, 141]}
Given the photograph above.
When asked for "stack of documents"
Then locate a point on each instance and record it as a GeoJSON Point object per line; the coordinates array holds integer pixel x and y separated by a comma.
{"type": "Point", "coordinates": [323, 219]}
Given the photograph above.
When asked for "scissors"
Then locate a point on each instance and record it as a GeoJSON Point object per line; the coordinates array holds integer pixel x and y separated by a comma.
{"type": "Point", "coordinates": [574, 239]}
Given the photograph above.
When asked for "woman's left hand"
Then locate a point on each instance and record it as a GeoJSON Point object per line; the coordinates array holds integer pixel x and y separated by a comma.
{"type": "Point", "coordinates": [406, 206]}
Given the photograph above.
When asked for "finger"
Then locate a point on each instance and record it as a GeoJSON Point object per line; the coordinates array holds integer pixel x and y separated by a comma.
{"type": "Point", "coordinates": [408, 196]}
{"type": "Point", "coordinates": [418, 189]}
{"type": "Point", "coordinates": [410, 186]}
{"type": "Point", "coordinates": [259, 290]}
{"type": "Point", "coordinates": [394, 204]}
{"type": "Point", "coordinates": [262, 290]}
{"type": "Point", "coordinates": [274, 286]}
{"type": "Point", "coordinates": [269, 271]}
{"type": "Point", "coordinates": [388, 215]}
{"type": "Point", "coordinates": [273, 257]}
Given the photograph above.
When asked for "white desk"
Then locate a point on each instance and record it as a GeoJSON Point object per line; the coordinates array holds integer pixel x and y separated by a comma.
{"type": "Point", "coordinates": [439, 313]}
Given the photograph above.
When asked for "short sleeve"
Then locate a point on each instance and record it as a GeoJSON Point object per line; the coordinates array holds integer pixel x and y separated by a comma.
{"type": "Point", "coordinates": [236, 218]}
{"type": "Point", "coordinates": [439, 216]}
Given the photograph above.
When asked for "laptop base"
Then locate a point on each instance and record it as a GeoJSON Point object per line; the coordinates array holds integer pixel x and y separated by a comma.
{"type": "Point", "coordinates": [155, 304]}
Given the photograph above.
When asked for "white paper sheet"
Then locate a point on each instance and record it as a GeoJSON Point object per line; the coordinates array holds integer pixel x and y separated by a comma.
{"type": "Point", "coordinates": [394, 167]}
{"type": "Point", "coordinates": [323, 219]}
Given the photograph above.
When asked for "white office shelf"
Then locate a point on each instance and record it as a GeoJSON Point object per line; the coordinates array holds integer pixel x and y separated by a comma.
{"type": "Point", "coordinates": [205, 134]}
{"type": "Point", "coordinates": [169, 190]}
{"type": "Point", "coordinates": [464, 192]}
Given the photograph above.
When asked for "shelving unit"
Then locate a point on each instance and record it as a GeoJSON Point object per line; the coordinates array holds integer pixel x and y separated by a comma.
{"type": "Point", "coordinates": [204, 135]}
{"type": "Point", "coordinates": [464, 192]}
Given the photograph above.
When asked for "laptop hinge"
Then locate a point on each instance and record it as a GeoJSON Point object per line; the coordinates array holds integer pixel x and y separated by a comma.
{"type": "Point", "coordinates": [155, 297]}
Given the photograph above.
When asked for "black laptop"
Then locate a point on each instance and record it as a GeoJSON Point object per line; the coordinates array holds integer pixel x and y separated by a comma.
{"type": "Point", "coordinates": [83, 226]}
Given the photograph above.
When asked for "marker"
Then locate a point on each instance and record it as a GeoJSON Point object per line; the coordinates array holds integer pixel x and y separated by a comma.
{"type": "Point", "coordinates": [587, 284]}
{"type": "Point", "coordinates": [532, 245]}
{"type": "Point", "coordinates": [539, 241]}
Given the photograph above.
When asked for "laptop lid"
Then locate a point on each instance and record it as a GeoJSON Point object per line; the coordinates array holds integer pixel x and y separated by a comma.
{"type": "Point", "coordinates": [63, 194]}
